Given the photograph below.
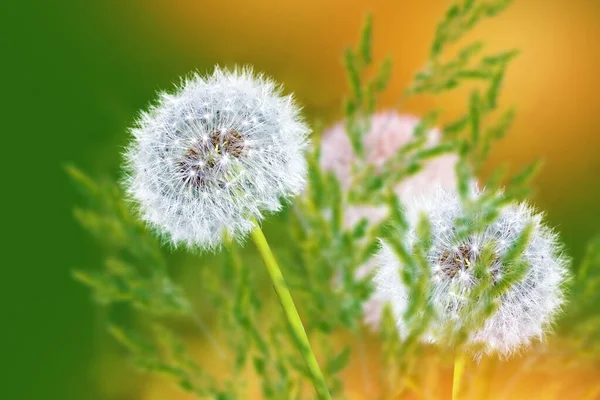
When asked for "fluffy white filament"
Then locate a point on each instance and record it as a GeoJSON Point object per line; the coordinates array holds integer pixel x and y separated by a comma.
{"type": "Point", "coordinates": [525, 311]}
{"type": "Point", "coordinates": [215, 154]}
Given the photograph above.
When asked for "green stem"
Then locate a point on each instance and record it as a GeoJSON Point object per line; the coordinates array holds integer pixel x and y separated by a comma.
{"type": "Point", "coordinates": [459, 367]}
{"type": "Point", "coordinates": [287, 303]}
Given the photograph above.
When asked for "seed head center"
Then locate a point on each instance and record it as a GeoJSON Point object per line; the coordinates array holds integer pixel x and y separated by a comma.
{"type": "Point", "coordinates": [454, 260]}
{"type": "Point", "coordinates": [203, 160]}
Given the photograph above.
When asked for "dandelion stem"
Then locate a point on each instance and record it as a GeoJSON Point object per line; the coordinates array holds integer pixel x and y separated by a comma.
{"type": "Point", "coordinates": [459, 367]}
{"type": "Point", "coordinates": [287, 303]}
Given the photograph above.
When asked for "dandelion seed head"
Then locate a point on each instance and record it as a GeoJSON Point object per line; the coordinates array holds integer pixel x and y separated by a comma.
{"type": "Point", "coordinates": [525, 311]}
{"type": "Point", "coordinates": [195, 166]}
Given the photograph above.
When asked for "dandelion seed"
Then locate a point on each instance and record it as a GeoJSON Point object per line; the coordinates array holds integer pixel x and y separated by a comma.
{"type": "Point", "coordinates": [525, 311]}
{"type": "Point", "coordinates": [190, 147]}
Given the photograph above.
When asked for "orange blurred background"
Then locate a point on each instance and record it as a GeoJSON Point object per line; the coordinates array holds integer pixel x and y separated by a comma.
{"type": "Point", "coordinates": [78, 72]}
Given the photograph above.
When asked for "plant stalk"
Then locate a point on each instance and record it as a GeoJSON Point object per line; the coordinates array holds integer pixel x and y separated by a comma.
{"type": "Point", "coordinates": [459, 368]}
{"type": "Point", "coordinates": [289, 309]}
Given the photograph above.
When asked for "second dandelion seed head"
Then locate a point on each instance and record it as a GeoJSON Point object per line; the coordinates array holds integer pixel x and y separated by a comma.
{"type": "Point", "coordinates": [523, 312]}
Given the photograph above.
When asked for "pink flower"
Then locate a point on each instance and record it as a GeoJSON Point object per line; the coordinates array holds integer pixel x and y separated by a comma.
{"type": "Point", "coordinates": [389, 132]}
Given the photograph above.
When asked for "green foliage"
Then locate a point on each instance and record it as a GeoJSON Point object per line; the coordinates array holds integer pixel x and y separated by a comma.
{"type": "Point", "coordinates": [391, 353]}
{"type": "Point", "coordinates": [135, 276]}
{"type": "Point", "coordinates": [120, 282]}
{"type": "Point", "coordinates": [362, 102]}
{"type": "Point", "coordinates": [166, 355]}
{"type": "Point", "coordinates": [580, 326]}
{"type": "Point", "coordinates": [460, 18]}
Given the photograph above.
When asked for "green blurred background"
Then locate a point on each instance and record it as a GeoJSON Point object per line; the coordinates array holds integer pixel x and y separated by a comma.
{"type": "Point", "coordinates": [76, 72]}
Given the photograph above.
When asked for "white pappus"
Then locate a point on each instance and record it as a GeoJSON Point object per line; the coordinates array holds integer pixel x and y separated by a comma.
{"type": "Point", "coordinates": [524, 312]}
{"type": "Point", "coordinates": [216, 154]}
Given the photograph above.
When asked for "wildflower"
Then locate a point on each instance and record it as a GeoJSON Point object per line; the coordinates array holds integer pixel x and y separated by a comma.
{"type": "Point", "coordinates": [388, 133]}
{"type": "Point", "coordinates": [216, 154]}
{"type": "Point", "coordinates": [524, 311]}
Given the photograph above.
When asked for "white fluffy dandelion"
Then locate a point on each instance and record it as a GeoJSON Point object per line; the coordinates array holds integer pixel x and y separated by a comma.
{"type": "Point", "coordinates": [525, 311]}
{"type": "Point", "coordinates": [216, 154]}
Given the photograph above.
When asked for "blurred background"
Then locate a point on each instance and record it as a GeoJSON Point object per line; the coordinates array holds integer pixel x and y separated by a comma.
{"type": "Point", "coordinates": [75, 73]}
